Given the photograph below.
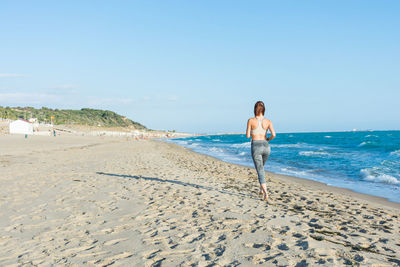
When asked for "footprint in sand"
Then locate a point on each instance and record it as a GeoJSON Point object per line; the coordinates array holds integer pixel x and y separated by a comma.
{"type": "Point", "coordinates": [114, 241]}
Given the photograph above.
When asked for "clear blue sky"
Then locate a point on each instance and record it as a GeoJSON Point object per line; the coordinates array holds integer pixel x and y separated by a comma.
{"type": "Point", "coordinates": [199, 66]}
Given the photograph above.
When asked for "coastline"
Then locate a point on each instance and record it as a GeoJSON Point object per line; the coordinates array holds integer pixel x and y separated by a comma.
{"type": "Point", "coordinates": [74, 200]}
{"type": "Point", "coordinates": [356, 177]}
{"type": "Point", "coordinates": [313, 183]}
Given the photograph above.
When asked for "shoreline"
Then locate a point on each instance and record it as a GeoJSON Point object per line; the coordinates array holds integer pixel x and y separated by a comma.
{"type": "Point", "coordinates": [315, 184]}
{"type": "Point", "coordinates": [341, 131]}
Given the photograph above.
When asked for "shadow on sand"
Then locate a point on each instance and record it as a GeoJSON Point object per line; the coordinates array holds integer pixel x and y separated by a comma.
{"type": "Point", "coordinates": [222, 191]}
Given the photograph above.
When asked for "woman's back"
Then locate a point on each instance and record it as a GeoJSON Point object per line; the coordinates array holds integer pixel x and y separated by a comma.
{"type": "Point", "coordinates": [259, 127]}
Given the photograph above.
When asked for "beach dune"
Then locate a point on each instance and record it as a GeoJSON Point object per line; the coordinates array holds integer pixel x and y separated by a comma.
{"type": "Point", "coordinates": [103, 201]}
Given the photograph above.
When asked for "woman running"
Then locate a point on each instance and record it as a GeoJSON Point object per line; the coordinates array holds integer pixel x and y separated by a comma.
{"type": "Point", "coordinates": [257, 128]}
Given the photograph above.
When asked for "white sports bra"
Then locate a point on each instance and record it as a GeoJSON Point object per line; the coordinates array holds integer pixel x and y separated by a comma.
{"type": "Point", "coordinates": [259, 130]}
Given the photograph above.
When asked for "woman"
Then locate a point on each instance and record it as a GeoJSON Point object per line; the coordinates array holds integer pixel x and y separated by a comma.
{"type": "Point", "coordinates": [257, 128]}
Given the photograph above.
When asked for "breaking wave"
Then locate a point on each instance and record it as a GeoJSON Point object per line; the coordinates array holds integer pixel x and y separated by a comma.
{"type": "Point", "coordinates": [374, 175]}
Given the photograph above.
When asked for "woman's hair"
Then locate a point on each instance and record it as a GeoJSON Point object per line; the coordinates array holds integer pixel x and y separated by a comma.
{"type": "Point", "coordinates": [259, 107]}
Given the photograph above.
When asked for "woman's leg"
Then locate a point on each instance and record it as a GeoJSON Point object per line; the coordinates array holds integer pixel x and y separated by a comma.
{"type": "Point", "coordinates": [258, 163]}
{"type": "Point", "coordinates": [257, 151]}
{"type": "Point", "coordinates": [265, 155]}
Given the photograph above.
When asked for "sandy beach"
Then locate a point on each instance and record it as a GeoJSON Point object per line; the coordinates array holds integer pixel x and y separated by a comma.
{"type": "Point", "coordinates": [75, 200]}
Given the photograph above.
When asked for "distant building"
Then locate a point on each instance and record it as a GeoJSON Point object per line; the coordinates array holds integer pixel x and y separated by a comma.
{"type": "Point", "coordinates": [21, 127]}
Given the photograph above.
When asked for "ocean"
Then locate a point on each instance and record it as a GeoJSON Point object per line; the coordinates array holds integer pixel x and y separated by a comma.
{"type": "Point", "coordinates": [363, 161]}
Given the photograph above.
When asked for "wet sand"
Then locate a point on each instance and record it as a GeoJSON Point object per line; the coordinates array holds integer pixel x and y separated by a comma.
{"type": "Point", "coordinates": [71, 200]}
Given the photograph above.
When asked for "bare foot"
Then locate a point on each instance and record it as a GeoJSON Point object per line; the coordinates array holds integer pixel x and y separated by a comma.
{"type": "Point", "coordinates": [265, 197]}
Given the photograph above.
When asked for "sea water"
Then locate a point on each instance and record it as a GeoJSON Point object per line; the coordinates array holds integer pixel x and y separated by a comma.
{"type": "Point", "coordinates": [363, 161]}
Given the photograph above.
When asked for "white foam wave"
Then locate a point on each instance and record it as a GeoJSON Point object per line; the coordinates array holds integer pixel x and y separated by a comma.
{"type": "Point", "coordinates": [395, 153]}
{"type": "Point", "coordinates": [295, 172]}
{"type": "Point", "coordinates": [313, 153]}
{"type": "Point", "coordinates": [371, 135]}
{"type": "Point", "coordinates": [373, 175]}
{"type": "Point", "coordinates": [216, 140]}
{"type": "Point", "coordinates": [288, 145]}
{"type": "Point", "coordinates": [216, 149]}
{"type": "Point", "coordinates": [242, 153]}
{"type": "Point", "coordinates": [328, 136]}
{"type": "Point", "coordinates": [181, 142]}
{"type": "Point", "coordinates": [193, 145]}
{"type": "Point", "coordinates": [247, 145]}
{"type": "Point", "coordinates": [366, 143]}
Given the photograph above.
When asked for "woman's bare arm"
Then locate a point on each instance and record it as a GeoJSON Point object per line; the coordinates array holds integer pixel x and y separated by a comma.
{"type": "Point", "coordinates": [272, 130]}
{"type": "Point", "coordinates": [248, 129]}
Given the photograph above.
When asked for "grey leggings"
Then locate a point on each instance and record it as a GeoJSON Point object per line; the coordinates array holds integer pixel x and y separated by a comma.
{"type": "Point", "coordinates": [260, 151]}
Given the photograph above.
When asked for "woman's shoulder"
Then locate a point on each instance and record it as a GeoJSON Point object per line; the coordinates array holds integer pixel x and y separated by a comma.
{"type": "Point", "coordinates": [267, 121]}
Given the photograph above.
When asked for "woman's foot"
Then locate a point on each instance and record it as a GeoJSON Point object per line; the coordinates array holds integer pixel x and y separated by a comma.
{"type": "Point", "coordinates": [265, 197]}
{"type": "Point", "coordinates": [263, 190]}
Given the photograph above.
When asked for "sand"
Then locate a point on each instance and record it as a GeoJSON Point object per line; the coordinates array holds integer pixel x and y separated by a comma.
{"type": "Point", "coordinates": [71, 200]}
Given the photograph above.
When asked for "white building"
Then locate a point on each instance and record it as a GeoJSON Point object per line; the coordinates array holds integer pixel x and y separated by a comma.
{"type": "Point", "coordinates": [21, 127]}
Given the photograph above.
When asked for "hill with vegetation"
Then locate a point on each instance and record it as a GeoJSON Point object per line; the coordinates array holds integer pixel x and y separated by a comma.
{"type": "Point", "coordinates": [85, 116]}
